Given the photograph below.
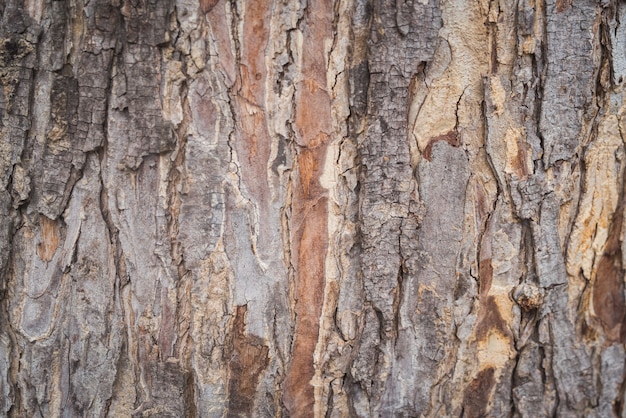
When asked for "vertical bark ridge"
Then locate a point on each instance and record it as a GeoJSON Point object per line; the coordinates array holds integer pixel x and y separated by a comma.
{"type": "Point", "coordinates": [312, 125]}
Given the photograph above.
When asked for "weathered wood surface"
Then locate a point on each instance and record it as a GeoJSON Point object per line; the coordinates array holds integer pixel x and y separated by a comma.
{"type": "Point", "coordinates": [327, 208]}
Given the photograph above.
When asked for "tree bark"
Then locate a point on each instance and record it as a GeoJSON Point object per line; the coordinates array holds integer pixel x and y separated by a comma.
{"type": "Point", "coordinates": [312, 209]}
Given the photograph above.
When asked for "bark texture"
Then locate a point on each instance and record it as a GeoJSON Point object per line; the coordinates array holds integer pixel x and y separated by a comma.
{"type": "Point", "coordinates": [364, 208]}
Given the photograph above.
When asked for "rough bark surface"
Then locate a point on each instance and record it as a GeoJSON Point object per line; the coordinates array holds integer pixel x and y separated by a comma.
{"type": "Point", "coordinates": [301, 208]}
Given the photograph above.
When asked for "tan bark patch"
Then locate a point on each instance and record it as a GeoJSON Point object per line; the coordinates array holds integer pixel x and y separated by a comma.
{"type": "Point", "coordinates": [517, 161]}
{"type": "Point", "coordinates": [49, 241]}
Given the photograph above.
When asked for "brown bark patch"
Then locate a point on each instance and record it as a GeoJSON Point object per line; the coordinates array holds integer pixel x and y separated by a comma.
{"type": "Point", "coordinates": [480, 204]}
{"type": "Point", "coordinates": [477, 394]}
{"type": "Point", "coordinates": [167, 332]}
{"type": "Point", "coordinates": [451, 138]}
{"type": "Point", "coordinates": [207, 5]}
{"type": "Point", "coordinates": [312, 244]}
{"type": "Point", "coordinates": [608, 296]}
{"type": "Point", "coordinates": [313, 125]}
{"type": "Point", "coordinates": [485, 271]}
{"type": "Point", "coordinates": [49, 242]}
{"type": "Point", "coordinates": [312, 114]}
{"type": "Point", "coordinates": [485, 266]}
{"type": "Point", "coordinates": [170, 395]}
{"type": "Point", "coordinates": [490, 319]}
{"type": "Point", "coordinates": [249, 357]}
{"type": "Point", "coordinates": [254, 130]}
{"type": "Point", "coordinates": [310, 212]}
{"type": "Point", "coordinates": [563, 5]}
{"type": "Point", "coordinates": [299, 394]}
{"type": "Point", "coordinates": [521, 168]}
{"type": "Point", "coordinates": [253, 141]}
{"type": "Point", "coordinates": [608, 289]}
{"type": "Point", "coordinates": [308, 165]}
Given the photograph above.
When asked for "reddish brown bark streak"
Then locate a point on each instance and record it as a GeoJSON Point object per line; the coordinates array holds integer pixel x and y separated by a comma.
{"type": "Point", "coordinates": [310, 246]}
{"type": "Point", "coordinates": [608, 289]}
{"type": "Point", "coordinates": [521, 168]}
{"type": "Point", "coordinates": [490, 320]}
{"type": "Point", "coordinates": [252, 136]}
{"type": "Point", "coordinates": [249, 357]}
{"type": "Point", "coordinates": [310, 236]}
{"type": "Point", "coordinates": [477, 394]}
{"type": "Point", "coordinates": [451, 138]}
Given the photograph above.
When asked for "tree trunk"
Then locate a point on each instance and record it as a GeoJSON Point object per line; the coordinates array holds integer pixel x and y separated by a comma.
{"type": "Point", "coordinates": [312, 209]}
